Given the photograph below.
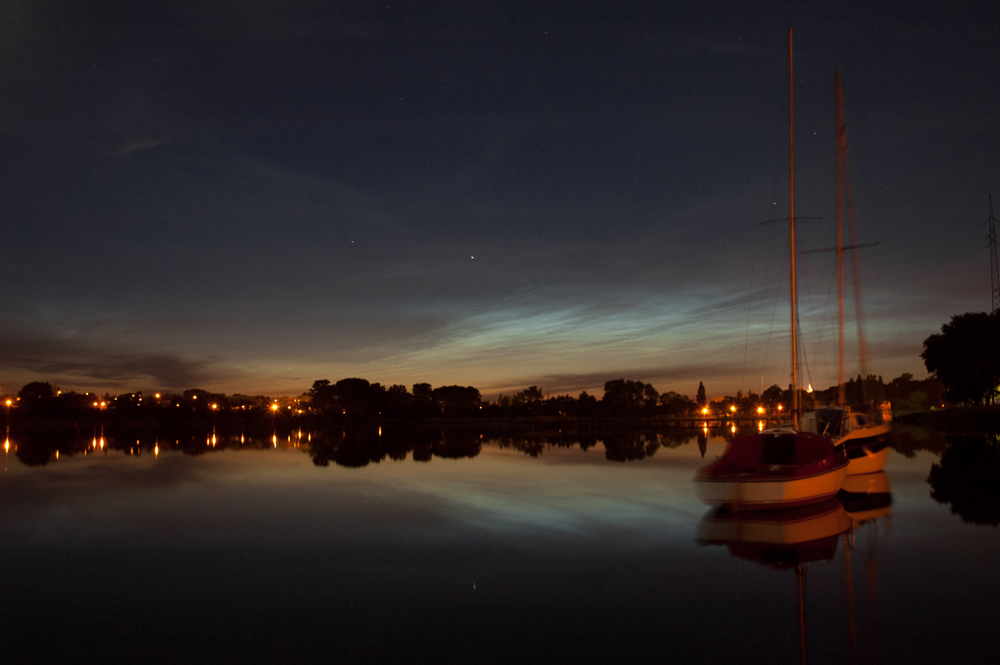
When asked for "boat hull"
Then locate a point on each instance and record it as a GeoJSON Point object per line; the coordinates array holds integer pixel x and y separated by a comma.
{"type": "Point", "coordinates": [867, 449]}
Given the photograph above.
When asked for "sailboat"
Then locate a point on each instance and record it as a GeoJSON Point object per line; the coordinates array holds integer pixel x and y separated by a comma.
{"type": "Point", "coordinates": [780, 467]}
{"type": "Point", "coordinates": [862, 435]}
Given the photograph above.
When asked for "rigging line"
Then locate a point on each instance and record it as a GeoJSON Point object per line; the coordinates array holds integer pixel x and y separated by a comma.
{"type": "Point", "coordinates": [819, 325]}
{"type": "Point", "coordinates": [807, 287]}
{"type": "Point", "coordinates": [805, 359]}
{"type": "Point", "coordinates": [827, 323]}
{"type": "Point", "coordinates": [855, 259]}
{"type": "Point", "coordinates": [746, 340]}
{"type": "Point", "coordinates": [774, 314]}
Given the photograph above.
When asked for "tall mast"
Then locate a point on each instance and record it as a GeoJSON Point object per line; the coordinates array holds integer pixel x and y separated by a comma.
{"type": "Point", "coordinates": [994, 275]}
{"type": "Point", "coordinates": [791, 238]}
{"type": "Point", "coordinates": [852, 229]}
{"type": "Point", "coordinates": [841, 145]}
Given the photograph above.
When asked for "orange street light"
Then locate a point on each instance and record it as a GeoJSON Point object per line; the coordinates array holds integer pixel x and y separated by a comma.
{"type": "Point", "coordinates": [760, 409]}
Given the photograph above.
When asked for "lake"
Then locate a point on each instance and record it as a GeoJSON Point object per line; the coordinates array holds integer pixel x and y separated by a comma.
{"type": "Point", "coordinates": [423, 547]}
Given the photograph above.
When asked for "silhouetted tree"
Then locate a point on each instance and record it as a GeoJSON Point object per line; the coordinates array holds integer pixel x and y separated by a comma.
{"type": "Point", "coordinates": [532, 394]}
{"type": "Point", "coordinates": [461, 401]}
{"type": "Point", "coordinates": [323, 396]}
{"type": "Point", "coordinates": [586, 405]}
{"type": "Point", "coordinates": [701, 397]}
{"type": "Point", "coordinates": [354, 396]}
{"type": "Point", "coordinates": [37, 399]}
{"type": "Point", "coordinates": [772, 396]}
{"type": "Point", "coordinates": [623, 397]}
{"type": "Point", "coordinates": [965, 356]}
{"type": "Point", "coordinates": [676, 404]}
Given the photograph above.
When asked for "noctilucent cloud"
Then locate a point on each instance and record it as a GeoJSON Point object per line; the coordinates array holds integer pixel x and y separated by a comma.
{"type": "Point", "coordinates": [247, 197]}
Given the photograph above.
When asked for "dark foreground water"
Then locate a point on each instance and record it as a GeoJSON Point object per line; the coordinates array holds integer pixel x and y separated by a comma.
{"type": "Point", "coordinates": [483, 552]}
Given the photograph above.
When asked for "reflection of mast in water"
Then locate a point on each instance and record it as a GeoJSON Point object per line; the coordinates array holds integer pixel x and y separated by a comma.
{"type": "Point", "coordinates": [866, 498]}
{"type": "Point", "coordinates": [780, 539]}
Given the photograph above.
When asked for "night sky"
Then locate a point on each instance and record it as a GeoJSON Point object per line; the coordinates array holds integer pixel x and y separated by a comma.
{"type": "Point", "coordinates": [247, 197]}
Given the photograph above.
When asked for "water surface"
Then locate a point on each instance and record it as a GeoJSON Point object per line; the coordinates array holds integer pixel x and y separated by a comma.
{"type": "Point", "coordinates": [458, 549]}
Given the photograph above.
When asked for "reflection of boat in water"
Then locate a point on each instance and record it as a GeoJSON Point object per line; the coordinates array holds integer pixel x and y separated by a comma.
{"type": "Point", "coordinates": [867, 499]}
{"type": "Point", "coordinates": [776, 468]}
{"type": "Point", "coordinates": [781, 539]}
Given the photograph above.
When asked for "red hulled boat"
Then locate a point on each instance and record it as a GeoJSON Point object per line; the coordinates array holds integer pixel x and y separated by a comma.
{"type": "Point", "coordinates": [776, 468]}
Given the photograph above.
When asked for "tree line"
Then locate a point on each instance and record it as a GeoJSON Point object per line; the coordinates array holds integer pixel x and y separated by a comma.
{"type": "Point", "coordinates": [356, 398]}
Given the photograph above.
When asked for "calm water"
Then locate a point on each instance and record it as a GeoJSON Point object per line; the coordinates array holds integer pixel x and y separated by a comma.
{"type": "Point", "coordinates": [465, 550]}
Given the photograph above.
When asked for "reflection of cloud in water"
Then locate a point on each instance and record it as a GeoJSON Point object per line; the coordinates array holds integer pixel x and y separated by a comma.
{"type": "Point", "coordinates": [281, 498]}
{"type": "Point", "coordinates": [582, 497]}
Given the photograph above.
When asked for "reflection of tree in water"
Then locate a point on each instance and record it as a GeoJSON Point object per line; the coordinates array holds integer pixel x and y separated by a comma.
{"type": "Point", "coordinates": [40, 448]}
{"type": "Point", "coordinates": [620, 445]}
{"type": "Point", "coordinates": [350, 447]}
{"type": "Point", "coordinates": [702, 442]}
{"type": "Point", "coordinates": [456, 445]}
{"type": "Point", "coordinates": [968, 477]}
{"type": "Point", "coordinates": [628, 446]}
{"type": "Point", "coordinates": [911, 439]}
{"type": "Point", "coordinates": [358, 447]}
{"type": "Point", "coordinates": [530, 446]}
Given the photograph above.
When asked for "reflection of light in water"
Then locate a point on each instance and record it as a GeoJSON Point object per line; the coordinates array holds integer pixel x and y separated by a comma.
{"type": "Point", "coordinates": [274, 440]}
{"type": "Point", "coordinates": [733, 428]}
{"type": "Point", "coordinates": [705, 430]}
{"type": "Point", "coordinates": [156, 450]}
{"type": "Point", "coordinates": [241, 438]}
{"type": "Point", "coordinates": [6, 446]}
{"type": "Point", "coordinates": [760, 425]}
{"type": "Point", "coordinates": [57, 454]}
{"type": "Point", "coordinates": [380, 430]}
